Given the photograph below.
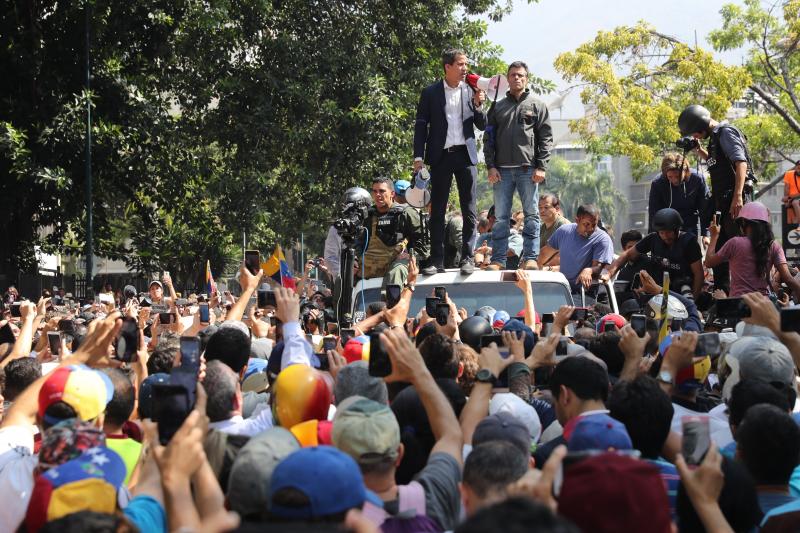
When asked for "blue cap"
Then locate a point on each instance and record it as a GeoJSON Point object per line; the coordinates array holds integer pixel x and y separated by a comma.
{"type": "Point", "coordinates": [330, 479]}
{"type": "Point", "coordinates": [400, 187]}
{"type": "Point", "coordinates": [599, 432]}
{"type": "Point", "coordinates": [530, 336]}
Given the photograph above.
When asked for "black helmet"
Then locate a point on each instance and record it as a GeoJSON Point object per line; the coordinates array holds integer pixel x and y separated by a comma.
{"type": "Point", "coordinates": [667, 219]}
{"type": "Point", "coordinates": [694, 119]}
{"type": "Point", "coordinates": [472, 329]}
{"type": "Point", "coordinates": [356, 197]}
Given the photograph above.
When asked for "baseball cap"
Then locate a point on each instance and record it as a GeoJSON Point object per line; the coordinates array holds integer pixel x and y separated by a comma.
{"type": "Point", "coordinates": [599, 432]}
{"type": "Point", "coordinates": [768, 360]}
{"type": "Point", "coordinates": [354, 380]}
{"type": "Point", "coordinates": [356, 349]}
{"type": "Point", "coordinates": [146, 393]}
{"type": "Point", "coordinates": [617, 320]}
{"type": "Point", "coordinates": [516, 325]}
{"type": "Point", "coordinates": [400, 187]}
{"type": "Point", "coordinates": [366, 430]}
{"type": "Point", "coordinates": [67, 440]}
{"type": "Point", "coordinates": [524, 412]}
{"type": "Point", "coordinates": [329, 478]}
{"type": "Point", "coordinates": [85, 390]}
{"type": "Point", "coordinates": [249, 480]}
{"type": "Point", "coordinates": [503, 426]}
{"type": "Point", "coordinates": [155, 282]}
{"type": "Point", "coordinates": [87, 483]}
{"type": "Point", "coordinates": [500, 318]}
{"type": "Point", "coordinates": [597, 489]}
{"type": "Point", "coordinates": [255, 376]}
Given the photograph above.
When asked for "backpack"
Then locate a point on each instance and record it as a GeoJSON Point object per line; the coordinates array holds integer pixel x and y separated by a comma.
{"type": "Point", "coordinates": [411, 517]}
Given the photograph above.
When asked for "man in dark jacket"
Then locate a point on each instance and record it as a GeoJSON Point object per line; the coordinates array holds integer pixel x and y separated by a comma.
{"type": "Point", "coordinates": [444, 138]}
{"type": "Point", "coordinates": [682, 190]}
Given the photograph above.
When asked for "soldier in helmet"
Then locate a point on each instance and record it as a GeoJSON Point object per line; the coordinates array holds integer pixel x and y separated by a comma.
{"type": "Point", "coordinates": [728, 160]}
{"type": "Point", "coordinates": [670, 250]}
{"type": "Point", "coordinates": [392, 229]}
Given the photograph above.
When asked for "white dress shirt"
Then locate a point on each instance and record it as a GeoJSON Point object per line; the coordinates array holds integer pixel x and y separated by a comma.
{"type": "Point", "coordinates": [454, 114]}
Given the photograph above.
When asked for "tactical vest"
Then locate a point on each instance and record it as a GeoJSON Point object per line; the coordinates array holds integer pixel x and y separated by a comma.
{"type": "Point", "coordinates": [385, 241]}
{"type": "Point", "coordinates": [721, 169]}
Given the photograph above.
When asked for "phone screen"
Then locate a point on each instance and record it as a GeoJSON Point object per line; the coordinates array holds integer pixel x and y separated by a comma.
{"type": "Point", "coordinates": [205, 316]}
{"type": "Point", "coordinates": [165, 318]}
{"type": "Point", "coordinates": [171, 406]}
{"type": "Point", "coordinates": [579, 313]}
{"type": "Point", "coordinates": [266, 298]}
{"type": "Point", "coordinates": [548, 318]}
{"type": "Point", "coordinates": [54, 338]}
{"type": "Point", "coordinates": [440, 292]}
{"type": "Point", "coordinates": [380, 365]}
{"type": "Point", "coordinates": [790, 319]}
{"type": "Point", "coordinates": [15, 309]}
{"type": "Point", "coordinates": [707, 344]}
{"type": "Point", "coordinates": [328, 343]}
{"type": "Point", "coordinates": [561, 348]}
{"type": "Point", "coordinates": [442, 314]}
{"type": "Point", "coordinates": [392, 295]}
{"type": "Point", "coordinates": [496, 338]}
{"type": "Point", "coordinates": [346, 334]}
{"type": "Point", "coordinates": [190, 354]}
{"type": "Point", "coordinates": [696, 438]}
{"type": "Point", "coordinates": [639, 325]}
{"type": "Point", "coordinates": [252, 261]}
{"type": "Point", "coordinates": [128, 340]}
{"type": "Point", "coordinates": [430, 306]}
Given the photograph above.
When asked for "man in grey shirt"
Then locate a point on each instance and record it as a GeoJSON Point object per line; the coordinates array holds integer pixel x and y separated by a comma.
{"type": "Point", "coordinates": [517, 149]}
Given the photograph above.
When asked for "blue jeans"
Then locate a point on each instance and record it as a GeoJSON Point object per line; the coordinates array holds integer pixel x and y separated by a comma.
{"type": "Point", "coordinates": [515, 179]}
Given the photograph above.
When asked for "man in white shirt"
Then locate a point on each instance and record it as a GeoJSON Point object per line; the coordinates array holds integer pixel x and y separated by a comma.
{"type": "Point", "coordinates": [444, 138]}
{"type": "Point", "coordinates": [224, 407]}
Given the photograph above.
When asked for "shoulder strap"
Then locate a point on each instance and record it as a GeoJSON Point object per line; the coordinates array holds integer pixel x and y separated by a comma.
{"type": "Point", "coordinates": [411, 497]}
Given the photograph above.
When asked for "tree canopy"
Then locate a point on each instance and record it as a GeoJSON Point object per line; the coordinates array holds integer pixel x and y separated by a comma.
{"type": "Point", "coordinates": [210, 118]}
{"type": "Point", "coordinates": [635, 82]}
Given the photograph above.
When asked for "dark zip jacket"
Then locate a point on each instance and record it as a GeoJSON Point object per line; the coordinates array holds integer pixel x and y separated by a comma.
{"type": "Point", "coordinates": [690, 199]}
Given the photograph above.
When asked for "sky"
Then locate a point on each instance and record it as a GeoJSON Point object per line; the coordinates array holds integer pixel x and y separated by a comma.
{"type": "Point", "coordinates": [536, 33]}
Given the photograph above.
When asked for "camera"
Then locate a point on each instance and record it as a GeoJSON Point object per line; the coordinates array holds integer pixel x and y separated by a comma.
{"type": "Point", "coordinates": [355, 204]}
{"type": "Point", "coordinates": [687, 143]}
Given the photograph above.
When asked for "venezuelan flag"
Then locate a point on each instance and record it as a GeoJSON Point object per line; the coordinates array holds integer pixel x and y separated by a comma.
{"type": "Point", "coordinates": [211, 287]}
{"type": "Point", "coordinates": [277, 268]}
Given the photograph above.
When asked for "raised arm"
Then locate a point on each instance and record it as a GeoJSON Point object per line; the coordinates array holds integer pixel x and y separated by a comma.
{"type": "Point", "coordinates": [408, 366]}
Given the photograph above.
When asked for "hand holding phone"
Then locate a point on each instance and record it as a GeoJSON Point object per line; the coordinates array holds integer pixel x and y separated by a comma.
{"type": "Point", "coordinates": [639, 325]}
{"type": "Point", "coordinates": [252, 261]}
{"type": "Point", "coordinates": [440, 292]}
{"type": "Point", "coordinates": [380, 365]}
{"type": "Point", "coordinates": [393, 295]}
{"type": "Point", "coordinates": [54, 341]}
{"type": "Point", "coordinates": [205, 315]}
{"type": "Point", "coordinates": [430, 306]}
{"type": "Point", "coordinates": [442, 314]}
{"type": "Point", "coordinates": [128, 340]}
{"type": "Point", "coordinates": [696, 438]}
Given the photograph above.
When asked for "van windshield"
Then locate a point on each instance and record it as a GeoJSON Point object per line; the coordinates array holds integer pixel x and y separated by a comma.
{"type": "Point", "coordinates": [547, 297]}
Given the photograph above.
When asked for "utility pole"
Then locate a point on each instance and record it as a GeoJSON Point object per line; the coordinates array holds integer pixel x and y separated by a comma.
{"type": "Point", "coordinates": [88, 157]}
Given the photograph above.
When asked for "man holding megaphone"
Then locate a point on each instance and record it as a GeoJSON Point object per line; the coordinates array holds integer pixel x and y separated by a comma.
{"type": "Point", "coordinates": [444, 138]}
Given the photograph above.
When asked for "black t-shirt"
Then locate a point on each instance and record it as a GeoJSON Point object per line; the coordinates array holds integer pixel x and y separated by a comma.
{"type": "Point", "coordinates": [675, 259]}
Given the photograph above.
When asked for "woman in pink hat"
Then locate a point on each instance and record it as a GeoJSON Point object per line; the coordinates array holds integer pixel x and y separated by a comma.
{"type": "Point", "coordinates": [753, 255]}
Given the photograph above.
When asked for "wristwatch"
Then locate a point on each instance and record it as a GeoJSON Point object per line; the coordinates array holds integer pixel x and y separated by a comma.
{"type": "Point", "coordinates": [665, 377]}
{"type": "Point", "coordinates": [411, 287]}
{"type": "Point", "coordinates": [485, 375]}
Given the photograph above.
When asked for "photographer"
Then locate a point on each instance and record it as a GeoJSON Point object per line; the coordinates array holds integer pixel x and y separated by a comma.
{"type": "Point", "coordinates": [727, 159]}
{"type": "Point", "coordinates": [683, 190]}
{"type": "Point", "coordinates": [391, 230]}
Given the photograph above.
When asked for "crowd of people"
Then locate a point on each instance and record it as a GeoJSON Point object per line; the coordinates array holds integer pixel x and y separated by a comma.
{"type": "Point", "coordinates": [267, 411]}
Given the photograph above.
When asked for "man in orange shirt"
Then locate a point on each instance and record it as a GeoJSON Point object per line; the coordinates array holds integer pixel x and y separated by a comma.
{"type": "Point", "coordinates": [791, 192]}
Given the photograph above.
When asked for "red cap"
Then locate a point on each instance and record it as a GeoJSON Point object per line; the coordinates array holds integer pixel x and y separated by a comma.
{"type": "Point", "coordinates": [610, 493]}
